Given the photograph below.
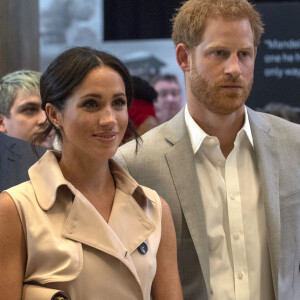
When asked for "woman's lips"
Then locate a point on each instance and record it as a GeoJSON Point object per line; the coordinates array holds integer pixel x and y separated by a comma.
{"type": "Point", "coordinates": [106, 136]}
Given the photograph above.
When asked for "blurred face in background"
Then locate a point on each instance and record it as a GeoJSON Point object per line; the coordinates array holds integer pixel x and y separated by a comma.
{"type": "Point", "coordinates": [25, 119]}
{"type": "Point", "coordinates": [169, 100]}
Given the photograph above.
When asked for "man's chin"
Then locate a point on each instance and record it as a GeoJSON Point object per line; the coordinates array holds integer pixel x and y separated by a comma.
{"type": "Point", "coordinates": [225, 108]}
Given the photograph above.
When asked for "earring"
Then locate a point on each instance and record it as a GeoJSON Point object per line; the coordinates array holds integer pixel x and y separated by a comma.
{"type": "Point", "coordinates": [57, 126]}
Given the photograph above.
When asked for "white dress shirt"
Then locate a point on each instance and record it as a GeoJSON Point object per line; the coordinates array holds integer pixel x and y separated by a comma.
{"type": "Point", "coordinates": [234, 215]}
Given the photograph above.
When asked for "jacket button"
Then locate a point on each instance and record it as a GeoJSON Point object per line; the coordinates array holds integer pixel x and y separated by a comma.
{"type": "Point", "coordinates": [143, 248]}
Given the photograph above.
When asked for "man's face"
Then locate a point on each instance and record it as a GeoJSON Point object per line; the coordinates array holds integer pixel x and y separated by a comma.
{"type": "Point", "coordinates": [26, 117]}
{"type": "Point", "coordinates": [169, 100]}
{"type": "Point", "coordinates": [222, 65]}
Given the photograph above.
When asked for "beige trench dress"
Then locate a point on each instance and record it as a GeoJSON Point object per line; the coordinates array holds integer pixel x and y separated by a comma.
{"type": "Point", "coordinates": [71, 247]}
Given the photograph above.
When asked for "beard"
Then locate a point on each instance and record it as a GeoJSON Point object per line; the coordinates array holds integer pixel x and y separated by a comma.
{"type": "Point", "coordinates": [217, 99]}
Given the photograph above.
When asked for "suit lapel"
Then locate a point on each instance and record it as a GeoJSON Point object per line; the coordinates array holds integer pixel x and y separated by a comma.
{"type": "Point", "coordinates": [12, 156]}
{"type": "Point", "coordinates": [268, 165]}
{"type": "Point", "coordinates": [180, 159]}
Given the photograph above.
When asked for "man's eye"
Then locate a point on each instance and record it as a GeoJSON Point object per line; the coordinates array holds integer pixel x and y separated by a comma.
{"type": "Point", "coordinates": [219, 52]}
{"type": "Point", "coordinates": [120, 102]}
{"type": "Point", "coordinates": [29, 110]}
{"type": "Point", "coordinates": [244, 53]}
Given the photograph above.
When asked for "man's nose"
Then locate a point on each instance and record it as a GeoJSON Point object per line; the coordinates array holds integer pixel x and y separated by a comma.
{"type": "Point", "coordinates": [232, 66]}
{"type": "Point", "coordinates": [41, 117]}
{"type": "Point", "coordinates": [170, 97]}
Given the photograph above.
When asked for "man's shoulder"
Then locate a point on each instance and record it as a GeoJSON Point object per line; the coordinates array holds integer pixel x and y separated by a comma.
{"type": "Point", "coordinates": [16, 158]}
{"type": "Point", "coordinates": [149, 148]}
{"type": "Point", "coordinates": [147, 140]}
{"type": "Point", "coordinates": [157, 139]}
{"type": "Point", "coordinates": [275, 126]}
{"type": "Point", "coordinates": [20, 147]}
{"type": "Point", "coordinates": [19, 151]}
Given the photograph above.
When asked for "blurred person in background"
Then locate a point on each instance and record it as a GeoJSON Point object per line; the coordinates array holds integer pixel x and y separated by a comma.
{"type": "Point", "coordinates": [21, 115]}
{"type": "Point", "coordinates": [16, 157]}
{"type": "Point", "coordinates": [169, 100]}
{"type": "Point", "coordinates": [141, 111]}
{"type": "Point", "coordinates": [282, 110]}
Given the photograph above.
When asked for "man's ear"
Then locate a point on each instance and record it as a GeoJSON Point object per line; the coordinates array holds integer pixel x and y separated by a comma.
{"type": "Point", "coordinates": [183, 57]}
{"type": "Point", "coordinates": [53, 114]}
{"type": "Point", "coordinates": [2, 124]}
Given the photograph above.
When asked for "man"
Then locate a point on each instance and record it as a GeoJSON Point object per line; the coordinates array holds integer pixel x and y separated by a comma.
{"type": "Point", "coordinates": [16, 157]}
{"type": "Point", "coordinates": [230, 175]}
{"type": "Point", "coordinates": [21, 115]}
{"type": "Point", "coordinates": [169, 99]}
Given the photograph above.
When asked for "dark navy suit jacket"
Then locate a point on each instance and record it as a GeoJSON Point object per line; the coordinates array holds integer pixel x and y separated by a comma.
{"type": "Point", "coordinates": [16, 157]}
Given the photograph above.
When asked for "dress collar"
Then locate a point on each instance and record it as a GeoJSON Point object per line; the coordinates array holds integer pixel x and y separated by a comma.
{"type": "Point", "coordinates": [46, 178]}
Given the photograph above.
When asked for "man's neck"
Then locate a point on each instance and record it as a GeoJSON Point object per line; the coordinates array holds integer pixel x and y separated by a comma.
{"type": "Point", "coordinates": [224, 127]}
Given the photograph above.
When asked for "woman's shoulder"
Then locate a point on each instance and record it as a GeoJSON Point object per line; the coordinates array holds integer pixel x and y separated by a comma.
{"type": "Point", "coordinates": [21, 191]}
{"type": "Point", "coordinates": [7, 206]}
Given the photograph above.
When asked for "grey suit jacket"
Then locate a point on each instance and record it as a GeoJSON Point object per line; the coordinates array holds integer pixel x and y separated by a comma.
{"type": "Point", "coordinates": [16, 157]}
{"type": "Point", "coordinates": [165, 162]}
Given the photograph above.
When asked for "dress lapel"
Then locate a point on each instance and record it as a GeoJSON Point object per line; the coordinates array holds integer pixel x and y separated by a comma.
{"type": "Point", "coordinates": [268, 164]}
{"type": "Point", "coordinates": [128, 227]}
{"type": "Point", "coordinates": [85, 225]}
{"type": "Point", "coordinates": [129, 221]}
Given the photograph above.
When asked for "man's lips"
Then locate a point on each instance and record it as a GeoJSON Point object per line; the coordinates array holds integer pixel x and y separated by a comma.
{"type": "Point", "coordinates": [232, 86]}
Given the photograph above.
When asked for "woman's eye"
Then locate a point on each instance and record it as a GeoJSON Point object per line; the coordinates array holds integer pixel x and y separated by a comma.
{"type": "Point", "coordinates": [120, 102]}
{"type": "Point", "coordinates": [90, 104]}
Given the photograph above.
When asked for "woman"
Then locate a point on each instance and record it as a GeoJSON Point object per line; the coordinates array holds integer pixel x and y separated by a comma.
{"type": "Point", "coordinates": [82, 224]}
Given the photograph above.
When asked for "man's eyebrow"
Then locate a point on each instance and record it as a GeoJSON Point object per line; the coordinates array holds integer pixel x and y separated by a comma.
{"type": "Point", "coordinates": [35, 104]}
{"type": "Point", "coordinates": [30, 104]}
{"type": "Point", "coordinates": [223, 47]}
{"type": "Point", "coordinates": [248, 48]}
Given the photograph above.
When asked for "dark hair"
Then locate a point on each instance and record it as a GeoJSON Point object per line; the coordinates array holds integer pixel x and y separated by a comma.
{"type": "Point", "coordinates": [67, 71]}
{"type": "Point", "coordinates": [282, 110]}
{"type": "Point", "coordinates": [143, 90]}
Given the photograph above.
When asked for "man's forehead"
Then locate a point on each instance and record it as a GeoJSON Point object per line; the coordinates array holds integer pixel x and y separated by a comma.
{"type": "Point", "coordinates": [164, 83]}
{"type": "Point", "coordinates": [24, 96]}
{"type": "Point", "coordinates": [212, 22]}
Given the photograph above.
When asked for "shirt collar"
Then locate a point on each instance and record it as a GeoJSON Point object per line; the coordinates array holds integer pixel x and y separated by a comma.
{"type": "Point", "coordinates": [247, 129]}
{"type": "Point", "coordinates": [197, 134]}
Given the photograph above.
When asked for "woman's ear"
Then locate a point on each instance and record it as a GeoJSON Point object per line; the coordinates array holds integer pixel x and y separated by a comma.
{"type": "Point", "coordinates": [182, 57]}
{"type": "Point", "coordinates": [53, 114]}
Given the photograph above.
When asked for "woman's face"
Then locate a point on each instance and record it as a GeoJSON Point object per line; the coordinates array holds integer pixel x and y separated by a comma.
{"type": "Point", "coordinates": [95, 116]}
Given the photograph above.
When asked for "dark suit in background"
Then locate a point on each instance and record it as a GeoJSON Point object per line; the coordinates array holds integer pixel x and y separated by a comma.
{"type": "Point", "coordinates": [16, 157]}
